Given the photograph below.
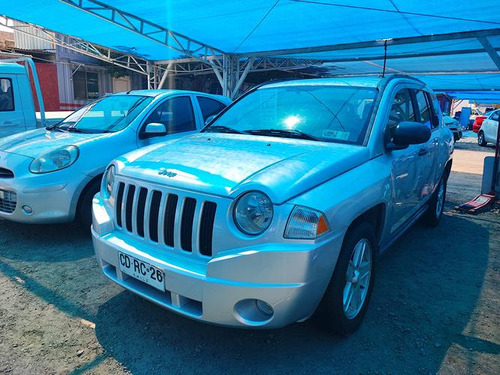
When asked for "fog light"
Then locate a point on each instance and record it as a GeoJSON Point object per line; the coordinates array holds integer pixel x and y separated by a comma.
{"type": "Point", "coordinates": [27, 209]}
{"type": "Point", "coordinates": [264, 307]}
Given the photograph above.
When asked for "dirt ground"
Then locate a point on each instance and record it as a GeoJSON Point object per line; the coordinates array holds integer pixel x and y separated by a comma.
{"type": "Point", "coordinates": [435, 308]}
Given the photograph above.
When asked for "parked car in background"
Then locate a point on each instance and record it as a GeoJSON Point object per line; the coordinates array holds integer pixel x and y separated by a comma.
{"type": "Point", "coordinates": [478, 122]}
{"type": "Point", "coordinates": [488, 131]}
{"type": "Point", "coordinates": [50, 175]}
{"type": "Point", "coordinates": [280, 206]}
{"type": "Point", "coordinates": [454, 126]}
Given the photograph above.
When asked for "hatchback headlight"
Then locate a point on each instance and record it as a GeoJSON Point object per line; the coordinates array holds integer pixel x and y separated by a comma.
{"type": "Point", "coordinates": [108, 181]}
{"type": "Point", "coordinates": [55, 160]}
{"type": "Point", "coordinates": [306, 224]}
{"type": "Point", "coordinates": [253, 212]}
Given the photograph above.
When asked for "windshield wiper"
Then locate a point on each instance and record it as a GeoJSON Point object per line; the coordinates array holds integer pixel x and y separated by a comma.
{"type": "Point", "coordinates": [222, 129]}
{"type": "Point", "coordinates": [282, 133]}
{"type": "Point", "coordinates": [73, 129]}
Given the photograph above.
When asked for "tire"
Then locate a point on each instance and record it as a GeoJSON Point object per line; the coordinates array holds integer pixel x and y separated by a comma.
{"type": "Point", "coordinates": [84, 208]}
{"type": "Point", "coordinates": [480, 139]}
{"type": "Point", "coordinates": [436, 204]}
{"type": "Point", "coordinates": [331, 312]}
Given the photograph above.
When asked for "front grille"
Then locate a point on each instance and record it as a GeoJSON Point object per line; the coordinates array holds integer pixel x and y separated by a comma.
{"type": "Point", "coordinates": [8, 201]}
{"type": "Point", "coordinates": [168, 219]}
{"type": "Point", "coordinates": [6, 173]}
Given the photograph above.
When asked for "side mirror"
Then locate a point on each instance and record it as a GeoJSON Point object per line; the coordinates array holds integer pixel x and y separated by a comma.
{"type": "Point", "coordinates": [410, 133]}
{"type": "Point", "coordinates": [209, 119]}
{"type": "Point", "coordinates": [154, 129]}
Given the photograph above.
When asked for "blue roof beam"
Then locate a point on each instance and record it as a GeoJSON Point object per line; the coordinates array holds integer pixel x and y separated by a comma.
{"type": "Point", "coordinates": [491, 51]}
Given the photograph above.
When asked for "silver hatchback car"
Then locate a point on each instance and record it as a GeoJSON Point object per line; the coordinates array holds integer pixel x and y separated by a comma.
{"type": "Point", "coordinates": [280, 206]}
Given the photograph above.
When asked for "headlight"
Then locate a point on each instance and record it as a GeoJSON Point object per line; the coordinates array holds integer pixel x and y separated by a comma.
{"type": "Point", "coordinates": [55, 160]}
{"type": "Point", "coordinates": [108, 181]}
{"type": "Point", "coordinates": [306, 223]}
{"type": "Point", "coordinates": [253, 212]}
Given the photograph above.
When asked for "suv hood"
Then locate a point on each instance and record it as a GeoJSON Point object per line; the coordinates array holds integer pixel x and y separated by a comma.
{"type": "Point", "coordinates": [37, 142]}
{"type": "Point", "coordinates": [230, 164]}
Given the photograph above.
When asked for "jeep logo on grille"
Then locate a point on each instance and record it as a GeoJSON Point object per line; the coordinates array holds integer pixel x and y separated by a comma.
{"type": "Point", "coordinates": [166, 172]}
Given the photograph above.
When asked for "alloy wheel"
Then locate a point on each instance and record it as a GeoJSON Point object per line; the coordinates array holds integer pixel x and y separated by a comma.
{"type": "Point", "coordinates": [357, 279]}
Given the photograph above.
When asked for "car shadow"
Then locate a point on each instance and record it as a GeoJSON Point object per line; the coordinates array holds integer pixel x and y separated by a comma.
{"type": "Point", "coordinates": [427, 289]}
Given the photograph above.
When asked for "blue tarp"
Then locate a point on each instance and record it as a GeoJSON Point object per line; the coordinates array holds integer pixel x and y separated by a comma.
{"type": "Point", "coordinates": [241, 26]}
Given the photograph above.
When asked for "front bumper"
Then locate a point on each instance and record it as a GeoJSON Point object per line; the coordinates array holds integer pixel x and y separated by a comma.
{"type": "Point", "coordinates": [290, 277]}
{"type": "Point", "coordinates": [39, 199]}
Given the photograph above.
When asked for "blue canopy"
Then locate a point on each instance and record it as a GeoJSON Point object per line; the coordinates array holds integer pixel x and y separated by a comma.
{"type": "Point", "coordinates": [346, 36]}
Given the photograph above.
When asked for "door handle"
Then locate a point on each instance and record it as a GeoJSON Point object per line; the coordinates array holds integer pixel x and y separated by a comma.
{"type": "Point", "coordinates": [422, 152]}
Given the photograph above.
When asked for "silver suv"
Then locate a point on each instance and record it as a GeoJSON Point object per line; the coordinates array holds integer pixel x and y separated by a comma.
{"type": "Point", "coordinates": [280, 206]}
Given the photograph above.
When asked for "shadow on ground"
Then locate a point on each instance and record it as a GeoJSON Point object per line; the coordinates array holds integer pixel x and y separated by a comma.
{"type": "Point", "coordinates": [426, 290]}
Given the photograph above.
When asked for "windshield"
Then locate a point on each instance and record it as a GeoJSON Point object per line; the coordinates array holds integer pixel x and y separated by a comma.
{"type": "Point", "coordinates": [316, 112]}
{"type": "Point", "coordinates": [110, 114]}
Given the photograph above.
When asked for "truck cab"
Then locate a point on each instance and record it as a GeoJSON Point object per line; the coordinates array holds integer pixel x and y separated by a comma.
{"type": "Point", "coordinates": [17, 107]}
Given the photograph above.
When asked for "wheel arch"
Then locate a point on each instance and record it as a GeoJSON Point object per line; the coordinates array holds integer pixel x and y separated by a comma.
{"type": "Point", "coordinates": [375, 215]}
{"type": "Point", "coordinates": [88, 185]}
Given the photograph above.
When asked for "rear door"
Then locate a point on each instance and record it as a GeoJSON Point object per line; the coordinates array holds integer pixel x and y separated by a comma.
{"type": "Point", "coordinates": [427, 152]}
{"type": "Point", "coordinates": [11, 109]}
{"type": "Point", "coordinates": [209, 107]}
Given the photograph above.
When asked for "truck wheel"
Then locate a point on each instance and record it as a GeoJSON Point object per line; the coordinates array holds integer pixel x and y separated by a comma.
{"type": "Point", "coordinates": [84, 208]}
{"type": "Point", "coordinates": [480, 139]}
{"type": "Point", "coordinates": [436, 204]}
{"type": "Point", "coordinates": [348, 294]}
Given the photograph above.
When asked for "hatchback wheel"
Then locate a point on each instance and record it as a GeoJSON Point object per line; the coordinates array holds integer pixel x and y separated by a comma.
{"type": "Point", "coordinates": [348, 294]}
{"type": "Point", "coordinates": [436, 204]}
{"type": "Point", "coordinates": [480, 139]}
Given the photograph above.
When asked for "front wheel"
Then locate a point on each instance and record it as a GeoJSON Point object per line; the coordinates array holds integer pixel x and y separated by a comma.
{"type": "Point", "coordinates": [348, 294]}
{"type": "Point", "coordinates": [480, 139]}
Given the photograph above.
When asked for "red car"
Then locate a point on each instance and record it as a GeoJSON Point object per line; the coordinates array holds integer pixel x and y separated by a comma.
{"type": "Point", "coordinates": [477, 123]}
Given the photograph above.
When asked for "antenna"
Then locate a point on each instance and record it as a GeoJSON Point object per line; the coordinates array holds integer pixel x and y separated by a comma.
{"type": "Point", "coordinates": [385, 57]}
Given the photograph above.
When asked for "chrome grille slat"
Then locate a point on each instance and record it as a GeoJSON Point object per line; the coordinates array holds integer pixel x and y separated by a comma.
{"type": "Point", "coordinates": [178, 222]}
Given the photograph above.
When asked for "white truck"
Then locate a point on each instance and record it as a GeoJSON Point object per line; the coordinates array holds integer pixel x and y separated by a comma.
{"type": "Point", "coordinates": [17, 100]}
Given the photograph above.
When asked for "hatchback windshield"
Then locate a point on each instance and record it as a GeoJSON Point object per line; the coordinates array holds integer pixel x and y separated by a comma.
{"type": "Point", "coordinates": [316, 112]}
{"type": "Point", "coordinates": [110, 114]}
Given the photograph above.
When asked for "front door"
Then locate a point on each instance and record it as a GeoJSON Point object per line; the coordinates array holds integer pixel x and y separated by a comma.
{"type": "Point", "coordinates": [11, 109]}
{"type": "Point", "coordinates": [406, 166]}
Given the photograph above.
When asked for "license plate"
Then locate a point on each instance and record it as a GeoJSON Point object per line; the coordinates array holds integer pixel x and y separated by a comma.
{"type": "Point", "coordinates": [142, 271]}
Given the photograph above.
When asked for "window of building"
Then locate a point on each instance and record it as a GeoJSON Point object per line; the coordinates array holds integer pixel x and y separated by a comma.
{"type": "Point", "coordinates": [209, 107]}
{"type": "Point", "coordinates": [6, 95]}
{"type": "Point", "coordinates": [85, 85]}
{"type": "Point", "coordinates": [176, 114]}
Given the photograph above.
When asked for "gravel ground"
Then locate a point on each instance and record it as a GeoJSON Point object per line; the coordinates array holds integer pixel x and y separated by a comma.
{"type": "Point", "coordinates": [435, 309]}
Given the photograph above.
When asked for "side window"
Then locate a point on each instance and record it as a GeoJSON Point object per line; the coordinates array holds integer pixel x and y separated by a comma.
{"type": "Point", "coordinates": [209, 107]}
{"type": "Point", "coordinates": [6, 95]}
{"type": "Point", "coordinates": [424, 109]}
{"type": "Point", "coordinates": [402, 110]}
{"type": "Point", "coordinates": [495, 116]}
{"type": "Point", "coordinates": [176, 114]}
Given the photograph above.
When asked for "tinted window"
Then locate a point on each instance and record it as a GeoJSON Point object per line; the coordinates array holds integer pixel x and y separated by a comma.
{"type": "Point", "coordinates": [176, 114]}
{"type": "Point", "coordinates": [6, 95]}
{"type": "Point", "coordinates": [494, 116]}
{"type": "Point", "coordinates": [401, 110]}
{"type": "Point", "coordinates": [209, 107]}
{"type": "Point", "coordinates": [424, 109]}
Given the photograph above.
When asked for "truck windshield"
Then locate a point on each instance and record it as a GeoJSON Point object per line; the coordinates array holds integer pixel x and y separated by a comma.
{"type": "Point", "coordinates": [326, 113]}
{"type": "Point", "coordinates": [107, 115]}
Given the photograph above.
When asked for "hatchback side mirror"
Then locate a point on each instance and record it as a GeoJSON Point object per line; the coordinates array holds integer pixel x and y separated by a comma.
{"type": "Point", "coordinates": [154, 129]}
{"type": "Point", "coordinates": [410, 133]}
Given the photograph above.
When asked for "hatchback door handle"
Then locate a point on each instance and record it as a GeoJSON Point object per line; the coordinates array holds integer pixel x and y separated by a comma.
{"type": "Point", "coordinates": [422, 152]}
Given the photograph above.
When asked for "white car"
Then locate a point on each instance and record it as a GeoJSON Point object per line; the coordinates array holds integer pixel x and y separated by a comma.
{"type": "Point", "coordinates": [489, 129]}
{"type": "Point", "coordinates": [51, 175]}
